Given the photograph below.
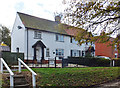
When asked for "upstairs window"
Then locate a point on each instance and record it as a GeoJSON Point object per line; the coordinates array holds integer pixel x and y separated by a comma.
{"type": "Point", "coordinates": [72, 40]}
{"type": "Point", "coordinates": [37, 34]}
{"type": "Point", "coordinates": [115, 47]}
{"type": "Point", "coordinates": [59, 38]}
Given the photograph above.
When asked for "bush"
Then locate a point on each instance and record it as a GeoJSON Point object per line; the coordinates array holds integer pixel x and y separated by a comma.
{"type": "Point", "coordinates": [117, 62]}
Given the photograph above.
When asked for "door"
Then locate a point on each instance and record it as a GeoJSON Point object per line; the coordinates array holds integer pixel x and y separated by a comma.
{"type": "Point", "coordinates": [38, 54]}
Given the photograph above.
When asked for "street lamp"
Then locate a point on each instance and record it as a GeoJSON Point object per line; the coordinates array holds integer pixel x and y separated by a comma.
{"type": "Point", "coordinates": [55, 57]}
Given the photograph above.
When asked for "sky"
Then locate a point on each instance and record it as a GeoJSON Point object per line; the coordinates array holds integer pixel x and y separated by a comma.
{"type": "Point", "coordinates": [40, 8]}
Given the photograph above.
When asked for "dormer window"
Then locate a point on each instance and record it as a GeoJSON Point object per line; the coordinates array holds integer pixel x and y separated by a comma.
{"type": "Point", "coordinates": [37, 34]}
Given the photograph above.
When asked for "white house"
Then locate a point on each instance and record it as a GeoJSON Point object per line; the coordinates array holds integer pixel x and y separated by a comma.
{"type": "Point", "coordinates": [40, 39]}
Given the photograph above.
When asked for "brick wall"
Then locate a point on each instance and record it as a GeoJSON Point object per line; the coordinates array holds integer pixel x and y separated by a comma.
{"type": "Point", "coordinates": [103, 49]}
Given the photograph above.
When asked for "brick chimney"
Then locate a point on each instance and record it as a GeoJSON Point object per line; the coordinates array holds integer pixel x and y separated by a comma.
{"type": "Point", "coordinates": [58, 19]}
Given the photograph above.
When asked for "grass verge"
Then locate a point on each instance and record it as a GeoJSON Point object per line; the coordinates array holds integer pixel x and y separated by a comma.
{"type": "Point", "coordinates": [83, 77]}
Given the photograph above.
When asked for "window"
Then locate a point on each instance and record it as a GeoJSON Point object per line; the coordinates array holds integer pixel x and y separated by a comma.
{"type": "Point", "coordinates": [83, 53]}
{"type": "Point", "coordinates": [75, 53]}
{"type": "Point", "coordinates": [17, 49]}
{"type": "Point", "coordinates": [115, 55]}
{"type": "Point", "coordinates": [37, 34]}
{"type": "Point", "coordinates": [115, 47]}
{"type": "Point", "coordinates": [19, 27]}
{"type": "Point", "coordinates": [60, 52]}
{"type": "Point", "coordinates": [59, 38]}
{"type": "Point", "coordinates": [47, 52]}
{"type": "Point", "coordinates": [72, 40]}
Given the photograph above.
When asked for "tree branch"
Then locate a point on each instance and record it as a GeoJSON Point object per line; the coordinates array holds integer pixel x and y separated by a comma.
{"type": "Point", "coordinates": [106, 20]}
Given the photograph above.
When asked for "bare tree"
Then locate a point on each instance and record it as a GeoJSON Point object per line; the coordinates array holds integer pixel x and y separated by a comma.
{"type": "Point", "coordinates": [96, 17]}
{"type": "Point", "coordinates": [5, 35]}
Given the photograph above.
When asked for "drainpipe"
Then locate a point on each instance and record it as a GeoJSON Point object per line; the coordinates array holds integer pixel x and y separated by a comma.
{"type": "Point", "coordinates": [27, 45]}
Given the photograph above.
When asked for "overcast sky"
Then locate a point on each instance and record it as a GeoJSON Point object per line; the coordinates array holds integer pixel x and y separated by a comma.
{"type": "Point", "coordinates": [40, 8]}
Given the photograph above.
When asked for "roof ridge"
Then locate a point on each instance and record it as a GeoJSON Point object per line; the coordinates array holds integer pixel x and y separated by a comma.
{"type": "Point", "coordinates": [34, 22]}
{"type": "Point", "coordinates": [35, 17]}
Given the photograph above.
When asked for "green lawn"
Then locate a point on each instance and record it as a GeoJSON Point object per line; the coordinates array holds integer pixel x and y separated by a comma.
{"type": "Point", "coordinates": [75, 76]}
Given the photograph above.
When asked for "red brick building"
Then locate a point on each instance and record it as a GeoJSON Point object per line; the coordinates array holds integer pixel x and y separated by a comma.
{"type": "Point", "coordinates": [103, 49]}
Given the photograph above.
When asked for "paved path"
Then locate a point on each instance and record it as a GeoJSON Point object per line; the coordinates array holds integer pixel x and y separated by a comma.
{"type": "Point", "coordinates": [115, 84]}
{"type": "Point", "coordinates": [0, 80]}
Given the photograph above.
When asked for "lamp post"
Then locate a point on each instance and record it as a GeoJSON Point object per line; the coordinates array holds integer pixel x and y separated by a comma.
{"type": "Point", "coordinates": [55, 57]}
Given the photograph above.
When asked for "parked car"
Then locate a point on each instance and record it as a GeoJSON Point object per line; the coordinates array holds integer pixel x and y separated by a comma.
{"type": "Point", "coordinates": [103, 57]}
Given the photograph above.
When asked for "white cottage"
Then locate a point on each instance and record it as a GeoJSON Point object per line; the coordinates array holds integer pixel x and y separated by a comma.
{"type": "Point", "coordinates": [41, 39]}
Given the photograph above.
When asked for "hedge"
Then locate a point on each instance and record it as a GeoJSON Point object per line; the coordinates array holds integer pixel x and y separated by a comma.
{"type": "Point", "coordinates": [11, 58]}
{"type": "Point", "coordinates": [92, 61]}
{"type": "Point", "coordinates": [117, 62]}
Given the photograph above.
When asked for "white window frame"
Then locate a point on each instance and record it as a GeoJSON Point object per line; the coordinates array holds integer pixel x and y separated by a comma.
{"type": "Point", "coordinates": [59, 38]}
{"type": "Point", "coordinates": [60, 52]}
{"type": "Point", "coordinates": [37, 34]}
{"type": "Point", "coordinates": [73, 40]}
{"type": "Point", "coordinates": [75, 53]}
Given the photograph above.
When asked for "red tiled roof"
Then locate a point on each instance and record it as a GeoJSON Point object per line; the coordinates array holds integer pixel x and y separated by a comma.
{"type": "Point", "coordinates": [71, 32]}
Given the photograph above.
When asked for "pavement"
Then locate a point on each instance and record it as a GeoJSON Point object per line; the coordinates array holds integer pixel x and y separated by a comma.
{"type": "Point", "coordinates": [0, 80]}
{"type": "Point", "coordinates": [113, 84]}
{"type": "Point", "coordinates": [51, 65]}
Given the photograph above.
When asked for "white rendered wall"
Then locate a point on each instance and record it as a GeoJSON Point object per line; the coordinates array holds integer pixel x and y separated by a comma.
{"type": "Point", "coordinates": [49, 39]}
{"type": "Point", "coordinates": [18, 36]}
{"type": "Point", "coordinates": [19, 39]}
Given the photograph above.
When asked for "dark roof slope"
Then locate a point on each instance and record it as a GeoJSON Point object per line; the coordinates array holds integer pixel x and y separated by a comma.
{"type": "Point", "coordinates": [40, 23]}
